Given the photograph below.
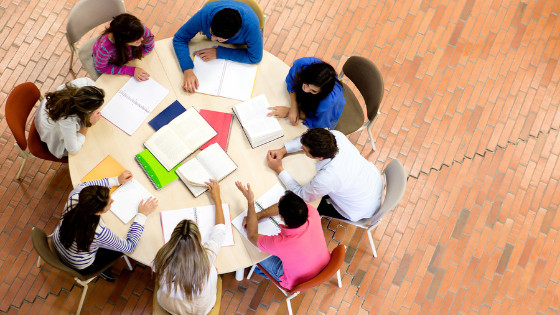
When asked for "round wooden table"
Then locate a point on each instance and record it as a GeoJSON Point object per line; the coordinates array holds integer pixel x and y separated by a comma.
{"type": "Point", "coordinates": [105, 139]}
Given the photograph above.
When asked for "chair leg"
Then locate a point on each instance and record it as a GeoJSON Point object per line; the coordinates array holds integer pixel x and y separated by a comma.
{"type": "Point", "coordinates": [25, 157]}
{"type": "Point", "coordinates": [371, 138]}
{"type": "Point", "coordinates": [39, 262]}
{"type": "Point", "coordinates": [289, 305]}
{"type": "Point", "coordinates": [368, 231]}
{"type": "Point", "coordinates": [251, 271]}
{"type": "Point", "coordinates": [338, 278]}
{"type": "Point", "coordinates": [84, 291]}
{"type": "Point", "coordinates": [72, 62]}
{"type": "Point", "coordinates": [128, 263]}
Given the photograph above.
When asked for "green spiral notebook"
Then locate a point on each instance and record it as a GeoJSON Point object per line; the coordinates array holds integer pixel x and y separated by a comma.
{"type": "Point", "coordinates": [157, 174]}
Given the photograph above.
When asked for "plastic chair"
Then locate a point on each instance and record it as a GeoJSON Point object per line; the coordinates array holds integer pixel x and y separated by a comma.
{"type": "Point", "coordinates": [85, 16]}
{"type": "Point", "coordinates": [395, 179]}
{"type": "Point", "coordinates": [19, 104]}
{"type": "Point", "coordinates": [158, 310]}
{"type": "Point", "coordinates": [333, 267]}
{"type": "Point", "coordinates": [254, 5]}
{"type": "Point", "coordinates": [41, 244]}
{"type": "Point", "coordinates": [367, 78]}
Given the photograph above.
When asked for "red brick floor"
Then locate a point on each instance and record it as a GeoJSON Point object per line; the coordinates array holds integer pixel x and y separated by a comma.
{"type": "Point", "coordinates": [470, 109]}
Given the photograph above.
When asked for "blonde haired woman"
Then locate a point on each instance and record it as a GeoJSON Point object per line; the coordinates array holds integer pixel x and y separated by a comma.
{"type": "Point", "coordinates": [184, 266]}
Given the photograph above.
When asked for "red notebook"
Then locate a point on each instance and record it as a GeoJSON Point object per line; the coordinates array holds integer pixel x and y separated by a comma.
{"type": "Point", "coordinates": [221, 122]}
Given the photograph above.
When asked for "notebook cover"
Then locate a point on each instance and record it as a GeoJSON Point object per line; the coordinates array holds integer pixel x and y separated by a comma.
{"type": "Point", "coordinates": [221, 122]}
{"type": "Point", "coordinates": [157, 174]}
{"type": "Point", "coordinates": [167, 115]}
{"type": "Point", "coordinates": [107, 168]}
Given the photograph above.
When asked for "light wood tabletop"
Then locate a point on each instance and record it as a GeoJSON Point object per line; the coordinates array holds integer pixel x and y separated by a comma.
{"type": "Point", "coordinates": [105, 139]}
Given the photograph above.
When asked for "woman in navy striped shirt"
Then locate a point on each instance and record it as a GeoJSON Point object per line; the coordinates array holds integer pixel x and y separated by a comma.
{"type": "Point", "coordinates": [82, 240]}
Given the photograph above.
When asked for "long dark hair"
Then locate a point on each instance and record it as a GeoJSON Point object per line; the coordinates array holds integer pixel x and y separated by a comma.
{"type": "Point", "coordinates": [320, 74]}
{"type": "Point", "coordinates": [125, 28]}
{"type": "Point", "coordinates": [71, 100]}
{"type": "Point", "coordinates": [79, 223]}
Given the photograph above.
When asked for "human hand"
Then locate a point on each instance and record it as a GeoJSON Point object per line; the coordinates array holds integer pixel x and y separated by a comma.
{"type": "Point", "coordinates": [190, 81]}
{"type": "Point", "coordinates": [293, 115]}
{"type": "Point", "coordinates": [278, 153]}
{"type": "Point", "coordinates": [147, 206]}
{"type": "Point", "coordinates": [214, 188]}
{"type": "Point", "coordinates": [247, 192]}
{"type": "Point", "coordinates": [207, 54]}
{"type": "Point", "coordinates": [94, 117]}
{"type": "Point", "coordinates": [278, 111]}
{"type": "Point", "coordinates": [274, 161]}
{"type": "Point", "coordinates": [141, 74]}
{"type": "Point", "coordinates": [125, 177]}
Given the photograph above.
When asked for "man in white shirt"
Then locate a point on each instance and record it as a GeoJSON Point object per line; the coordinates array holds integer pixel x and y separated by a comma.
{"type": "Point", "coordinates": [350, 185]}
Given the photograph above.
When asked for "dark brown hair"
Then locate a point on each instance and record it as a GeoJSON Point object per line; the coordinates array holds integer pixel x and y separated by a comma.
{"type": "Point", "coordinates": [126, 28]}
{"type": "Point", "coordinates": [320, 142]}
{"type": "Point", "coordinates": [320, 74]}
{"type": "Point", "coordinates": [72, 100]}
{"type": "Point", "coordinates": [292, 209]}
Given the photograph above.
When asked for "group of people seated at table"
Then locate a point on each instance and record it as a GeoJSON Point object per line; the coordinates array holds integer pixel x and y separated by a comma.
{"type": "Point", "coordinates": [349, 185]}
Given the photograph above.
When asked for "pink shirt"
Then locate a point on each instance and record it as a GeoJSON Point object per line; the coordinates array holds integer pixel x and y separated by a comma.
{"type": "Point", "coordinates": [303, 250]}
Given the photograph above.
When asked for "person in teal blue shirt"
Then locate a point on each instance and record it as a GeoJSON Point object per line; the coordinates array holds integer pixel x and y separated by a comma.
{"type": "Point", "coordinates": [316, 94]}
{"type": "Point", "coordinates": [224, 21]}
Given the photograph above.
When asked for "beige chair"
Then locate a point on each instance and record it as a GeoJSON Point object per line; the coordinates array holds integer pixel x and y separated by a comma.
{"type": "Point", "coordinates": [47, 253]}
{"type": "Point", "coordinates": [85, 16]}
{"type": "Point", "coordinates": [254, 5]}
{"type": "Point", "coordinates": [332, 268]}
{"type": "Point", "coordinates": [158, 310]}
{"type": "Point", "coordinates": [367, 78]}
{"type": "Point", "coordinates": [395, 186]}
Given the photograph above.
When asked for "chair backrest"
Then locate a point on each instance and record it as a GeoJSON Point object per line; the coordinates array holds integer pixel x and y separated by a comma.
{"type": "Point", "coordinates": [41, 244]}
{"type": "Point", "coordinates": [337, 258]}
{"type": "Point", "coordinates": [395, 179]}
{"type": "Point", "coordinates": [88, 14]}
{"type": "Point", "coordinates": [367, 78]}
{"type": "Point", "coordinates": [254, 5]}
{"type": "Point", "coordinates": [19, 104]}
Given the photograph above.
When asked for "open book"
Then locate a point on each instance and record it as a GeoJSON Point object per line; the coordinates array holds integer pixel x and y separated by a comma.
{"type": "Point", "coordinates": [212, 162]}
{"type": "Point", "coordinates": [225, 78]}
{"type": "Point", "coordinates": [204, 217]}
{"type": "Point", "coordinates": [133, 103]}
{"type": "Point", "coordinates": [175, 141]}
{"type": "Point", "coordinates": [258, 127]}
{"type": "Point", "coordinates": [127, 198]}
{"type": "Point", "coordinates": [268, 226]}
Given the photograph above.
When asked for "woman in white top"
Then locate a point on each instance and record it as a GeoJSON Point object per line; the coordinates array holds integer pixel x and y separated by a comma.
{"type": "Point", "coordinates": [64, 116]}
{"type": "Point", "coordinates": [184, 266]}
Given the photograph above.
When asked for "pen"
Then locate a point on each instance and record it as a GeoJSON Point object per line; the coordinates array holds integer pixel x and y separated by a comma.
{"type": "Point", "coordinates": [259, 205]}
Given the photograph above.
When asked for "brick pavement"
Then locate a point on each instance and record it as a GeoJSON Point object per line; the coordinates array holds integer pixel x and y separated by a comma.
{"type": "Point", "coordinates": [470, 108]}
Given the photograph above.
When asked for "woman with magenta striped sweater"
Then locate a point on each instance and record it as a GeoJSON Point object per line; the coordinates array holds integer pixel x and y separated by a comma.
{"type": "Point", "coordinates": [125, 39]}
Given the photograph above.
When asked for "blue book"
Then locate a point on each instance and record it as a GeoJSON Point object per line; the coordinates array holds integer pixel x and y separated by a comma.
{"type": "Point", "coordinates": [167, 115]}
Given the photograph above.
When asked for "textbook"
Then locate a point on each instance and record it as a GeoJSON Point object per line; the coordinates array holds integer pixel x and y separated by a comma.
{"type": "Point", "coordinates": [127, 198]}
{"type": "Point", "coordinates": [107, 168]}
{"type": "Point", "coordinates": [270, 225]}
{"type": "Point", "coordinates": [204, 217]}
{"type": "Point", "coordinates": [221, 122]}
{"type": "Point", "coordinates": [258, 127]}
{"type": "Point", "coordinates": [167, 115]}
{"type": "Point", "coordinates": [157, 174]}
{"type": "Point", "coordinates": [133, 103]}
{"type": "Point", "coordinates": [225, 78]}
{"type": "Point", "coordinates": [212, 162]}
{"type": "Point", "coordinates": [175, 141]}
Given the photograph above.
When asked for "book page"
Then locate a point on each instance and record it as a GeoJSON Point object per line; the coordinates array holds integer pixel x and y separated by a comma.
{"type": "Point", "coordinates": [133, 103]}
{"type": "Point", "coordinates": [194, 175]}
{"type": "Point", "coordinates": [238, 80]}
{"type": "Point", "coordinates": [209, 75]}
{"type": "Point", "coordinates": [127, 198]}
{"type": "Point", "coordinates": [258, 126]}
{"type": "Point", "coordinates": [216, 161]}
{"type": "Point", "coordinates": [167, 147]}
{"type": "Point", "coordinates": [192, 128]}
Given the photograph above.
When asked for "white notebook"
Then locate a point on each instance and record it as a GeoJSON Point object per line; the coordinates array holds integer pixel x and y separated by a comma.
{"type": "Point", "coordinates": [127, 198]}
{"type": "Point", "coordinates": [258, 127]}
{"type": "Point", "coordinates": [225, 78]}
{"type": "Point", "coordinates": [175, 141]}
{"type": "Point", "coordinates": [212, 162]}
{"type": "Point", "coordinates": [133, 103]}
{"type": "Point", "coordinates": [268, 226]}
{"type": "Point", "coordinates": [205, 218]}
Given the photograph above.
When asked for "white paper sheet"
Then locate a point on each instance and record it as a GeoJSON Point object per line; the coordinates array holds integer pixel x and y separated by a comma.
{"type": "Point", "coordinates": [127, 198]}
{"type": "Point", "coordinates": [225, 78]}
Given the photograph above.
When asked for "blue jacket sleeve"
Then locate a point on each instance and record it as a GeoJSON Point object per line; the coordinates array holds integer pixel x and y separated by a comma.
{"type": "Point", "coordinates": [183, 37]}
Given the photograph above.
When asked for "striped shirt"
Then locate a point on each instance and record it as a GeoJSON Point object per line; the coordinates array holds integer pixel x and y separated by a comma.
{"type": "Point", "coordinates": [104, 50]}
{"type": "Point", "coordinates": [104, 238]}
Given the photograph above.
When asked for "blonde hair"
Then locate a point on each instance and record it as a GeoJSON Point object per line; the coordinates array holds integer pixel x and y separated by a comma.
{"type": "Point", "coordinates": [183, 261]}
